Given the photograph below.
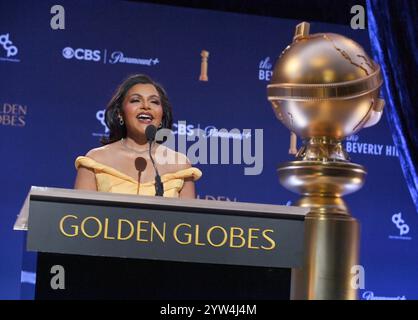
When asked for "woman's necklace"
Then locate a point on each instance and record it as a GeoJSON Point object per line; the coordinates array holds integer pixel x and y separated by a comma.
{"type": "Point", "coordinates": [123, 142]}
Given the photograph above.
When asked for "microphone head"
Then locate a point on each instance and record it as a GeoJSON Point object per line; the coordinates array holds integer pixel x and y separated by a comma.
{"type": "Point", "coordinates": [140, 164]}
{"type": "Point", "coordinates": [150, 132]}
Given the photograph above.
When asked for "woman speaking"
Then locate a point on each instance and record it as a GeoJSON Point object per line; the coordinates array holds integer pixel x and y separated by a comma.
{"type": "Point", "coordinates": [123, 164]}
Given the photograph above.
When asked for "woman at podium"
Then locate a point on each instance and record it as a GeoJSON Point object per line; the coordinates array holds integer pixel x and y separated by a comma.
{"type": "Point", "coordinates": [123, 164]}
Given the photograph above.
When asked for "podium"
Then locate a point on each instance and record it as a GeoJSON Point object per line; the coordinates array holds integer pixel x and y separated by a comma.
{"type": "Point", "coordinates": [94, 245]}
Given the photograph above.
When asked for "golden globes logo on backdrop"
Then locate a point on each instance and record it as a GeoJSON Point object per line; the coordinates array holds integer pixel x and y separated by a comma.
{"type": "Point", "coordinates": [13, 115]}
{"type": "Point", "coordinates": [217, 198]}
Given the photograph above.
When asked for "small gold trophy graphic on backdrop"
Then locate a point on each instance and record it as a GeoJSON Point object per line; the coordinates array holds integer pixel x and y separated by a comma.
{"type": "Point", "coordinates": [325, 88]}
{"type": "Point", "coordinates": [204, 66]}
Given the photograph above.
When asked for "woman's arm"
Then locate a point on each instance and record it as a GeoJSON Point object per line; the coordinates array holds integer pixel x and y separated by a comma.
{"type": "Point", "coordinates": [188, 190]}
{"type": "Point", "coordinates": [85, 179]}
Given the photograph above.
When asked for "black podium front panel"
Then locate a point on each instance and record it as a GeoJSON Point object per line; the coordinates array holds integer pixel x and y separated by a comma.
{"type": "Point", "coordinates": [89, 277]}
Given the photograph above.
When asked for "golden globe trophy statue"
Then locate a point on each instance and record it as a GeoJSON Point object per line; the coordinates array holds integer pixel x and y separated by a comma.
{"type": "Point", "coordinates": [325, 88]}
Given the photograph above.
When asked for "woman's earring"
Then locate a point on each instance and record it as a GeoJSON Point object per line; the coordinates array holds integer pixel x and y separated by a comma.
{"type": "Point", "coordinates": [121, 122]}
{"type": "Point", "coordinates": [160, 126]}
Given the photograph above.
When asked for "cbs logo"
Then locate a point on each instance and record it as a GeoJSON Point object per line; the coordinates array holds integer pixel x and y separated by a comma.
{"type": "Point", "coordinates": [81, 54]}
{"type": "Point", "coordinates": [183, 129]}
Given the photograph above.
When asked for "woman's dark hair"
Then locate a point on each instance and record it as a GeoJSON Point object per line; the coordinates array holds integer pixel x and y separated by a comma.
{"type": "Point", "coordinates": [114, 107]}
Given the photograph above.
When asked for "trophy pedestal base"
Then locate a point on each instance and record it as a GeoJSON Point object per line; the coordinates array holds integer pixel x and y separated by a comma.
{"type": "Point", "coordinates": [331, 233]}
{"type": "Point", "coordinates": [332, 248]}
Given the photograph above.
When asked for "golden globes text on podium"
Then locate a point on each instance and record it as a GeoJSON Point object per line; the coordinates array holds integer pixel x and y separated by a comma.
{"type": "Point", "coordinates": [325, 88]}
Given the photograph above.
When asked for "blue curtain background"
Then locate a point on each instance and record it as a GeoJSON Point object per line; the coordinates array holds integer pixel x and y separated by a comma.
{"type": "Point", "coordinates": [393, 30]}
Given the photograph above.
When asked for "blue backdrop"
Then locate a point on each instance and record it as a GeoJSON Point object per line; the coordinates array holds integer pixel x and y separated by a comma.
{"type": "Point", "coordinates": [54, 87]}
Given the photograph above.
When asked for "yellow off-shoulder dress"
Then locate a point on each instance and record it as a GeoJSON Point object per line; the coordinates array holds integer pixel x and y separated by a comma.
{"type": "Point", "coordinates": [109, 179]}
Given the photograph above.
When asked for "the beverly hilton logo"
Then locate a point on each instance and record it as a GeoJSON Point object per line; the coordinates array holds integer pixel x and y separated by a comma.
{"type": "Point", "coordinates": [265, 71]}
{"type": "Point", "coordinates": [13, 115]}
{"type": "Point", "coordinates": [354, 145]}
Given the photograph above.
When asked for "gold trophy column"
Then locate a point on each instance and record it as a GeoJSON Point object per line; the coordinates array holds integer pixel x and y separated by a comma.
{"type": "Point", "coordinates": [325, 88]}
{"type": "Point", "coordinates": [204, 66]}
{"type": "Point", "coordinates": [331, 233]}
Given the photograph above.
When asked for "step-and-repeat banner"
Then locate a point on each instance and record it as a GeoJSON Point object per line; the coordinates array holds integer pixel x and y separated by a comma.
{"type": "Point", "coordinates": [55, 84]}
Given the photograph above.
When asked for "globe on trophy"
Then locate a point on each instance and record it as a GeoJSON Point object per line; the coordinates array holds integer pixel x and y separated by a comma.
{"type": "Point", "coordinates": [325, 88]}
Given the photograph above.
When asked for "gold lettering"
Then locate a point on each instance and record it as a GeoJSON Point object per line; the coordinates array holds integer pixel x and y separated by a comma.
{"type": "Point", "coordinates": [251, 237]}
{"type": "Point", "coordinates": [106, 227]}
{"type": "Point", "coordinates": [131, 233]}
{"type": "Point", "coordinates": [196, 241]}
{"type": "Point", "coordinates": [161, 235]}
{"type": "Point", "coordinates": [187, 234]}
{"type": "Point", "coordinates": [270, 240]}
{"type": "Point", "coordinates": [239, 235]}
{"type": "Point", "coordinates": [139, 230]}
{"type": "Point", "coordinates": [210, 233]}
{"type": "Point", "coordinates": [75, 227]}
{"type": "Point", "coordinates": [83, 229]}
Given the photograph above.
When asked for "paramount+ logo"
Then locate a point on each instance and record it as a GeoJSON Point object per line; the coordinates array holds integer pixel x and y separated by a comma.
{"type": "Point", "coordinates": [81, 54]}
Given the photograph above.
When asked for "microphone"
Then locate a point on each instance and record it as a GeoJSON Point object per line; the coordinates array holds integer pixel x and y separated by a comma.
{"type": "Point", "coordinates": [150, 133]}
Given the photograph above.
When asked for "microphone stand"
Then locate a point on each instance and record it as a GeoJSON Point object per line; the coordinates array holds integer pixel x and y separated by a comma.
{"type": "Point", "coordinates": [159, 187]}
